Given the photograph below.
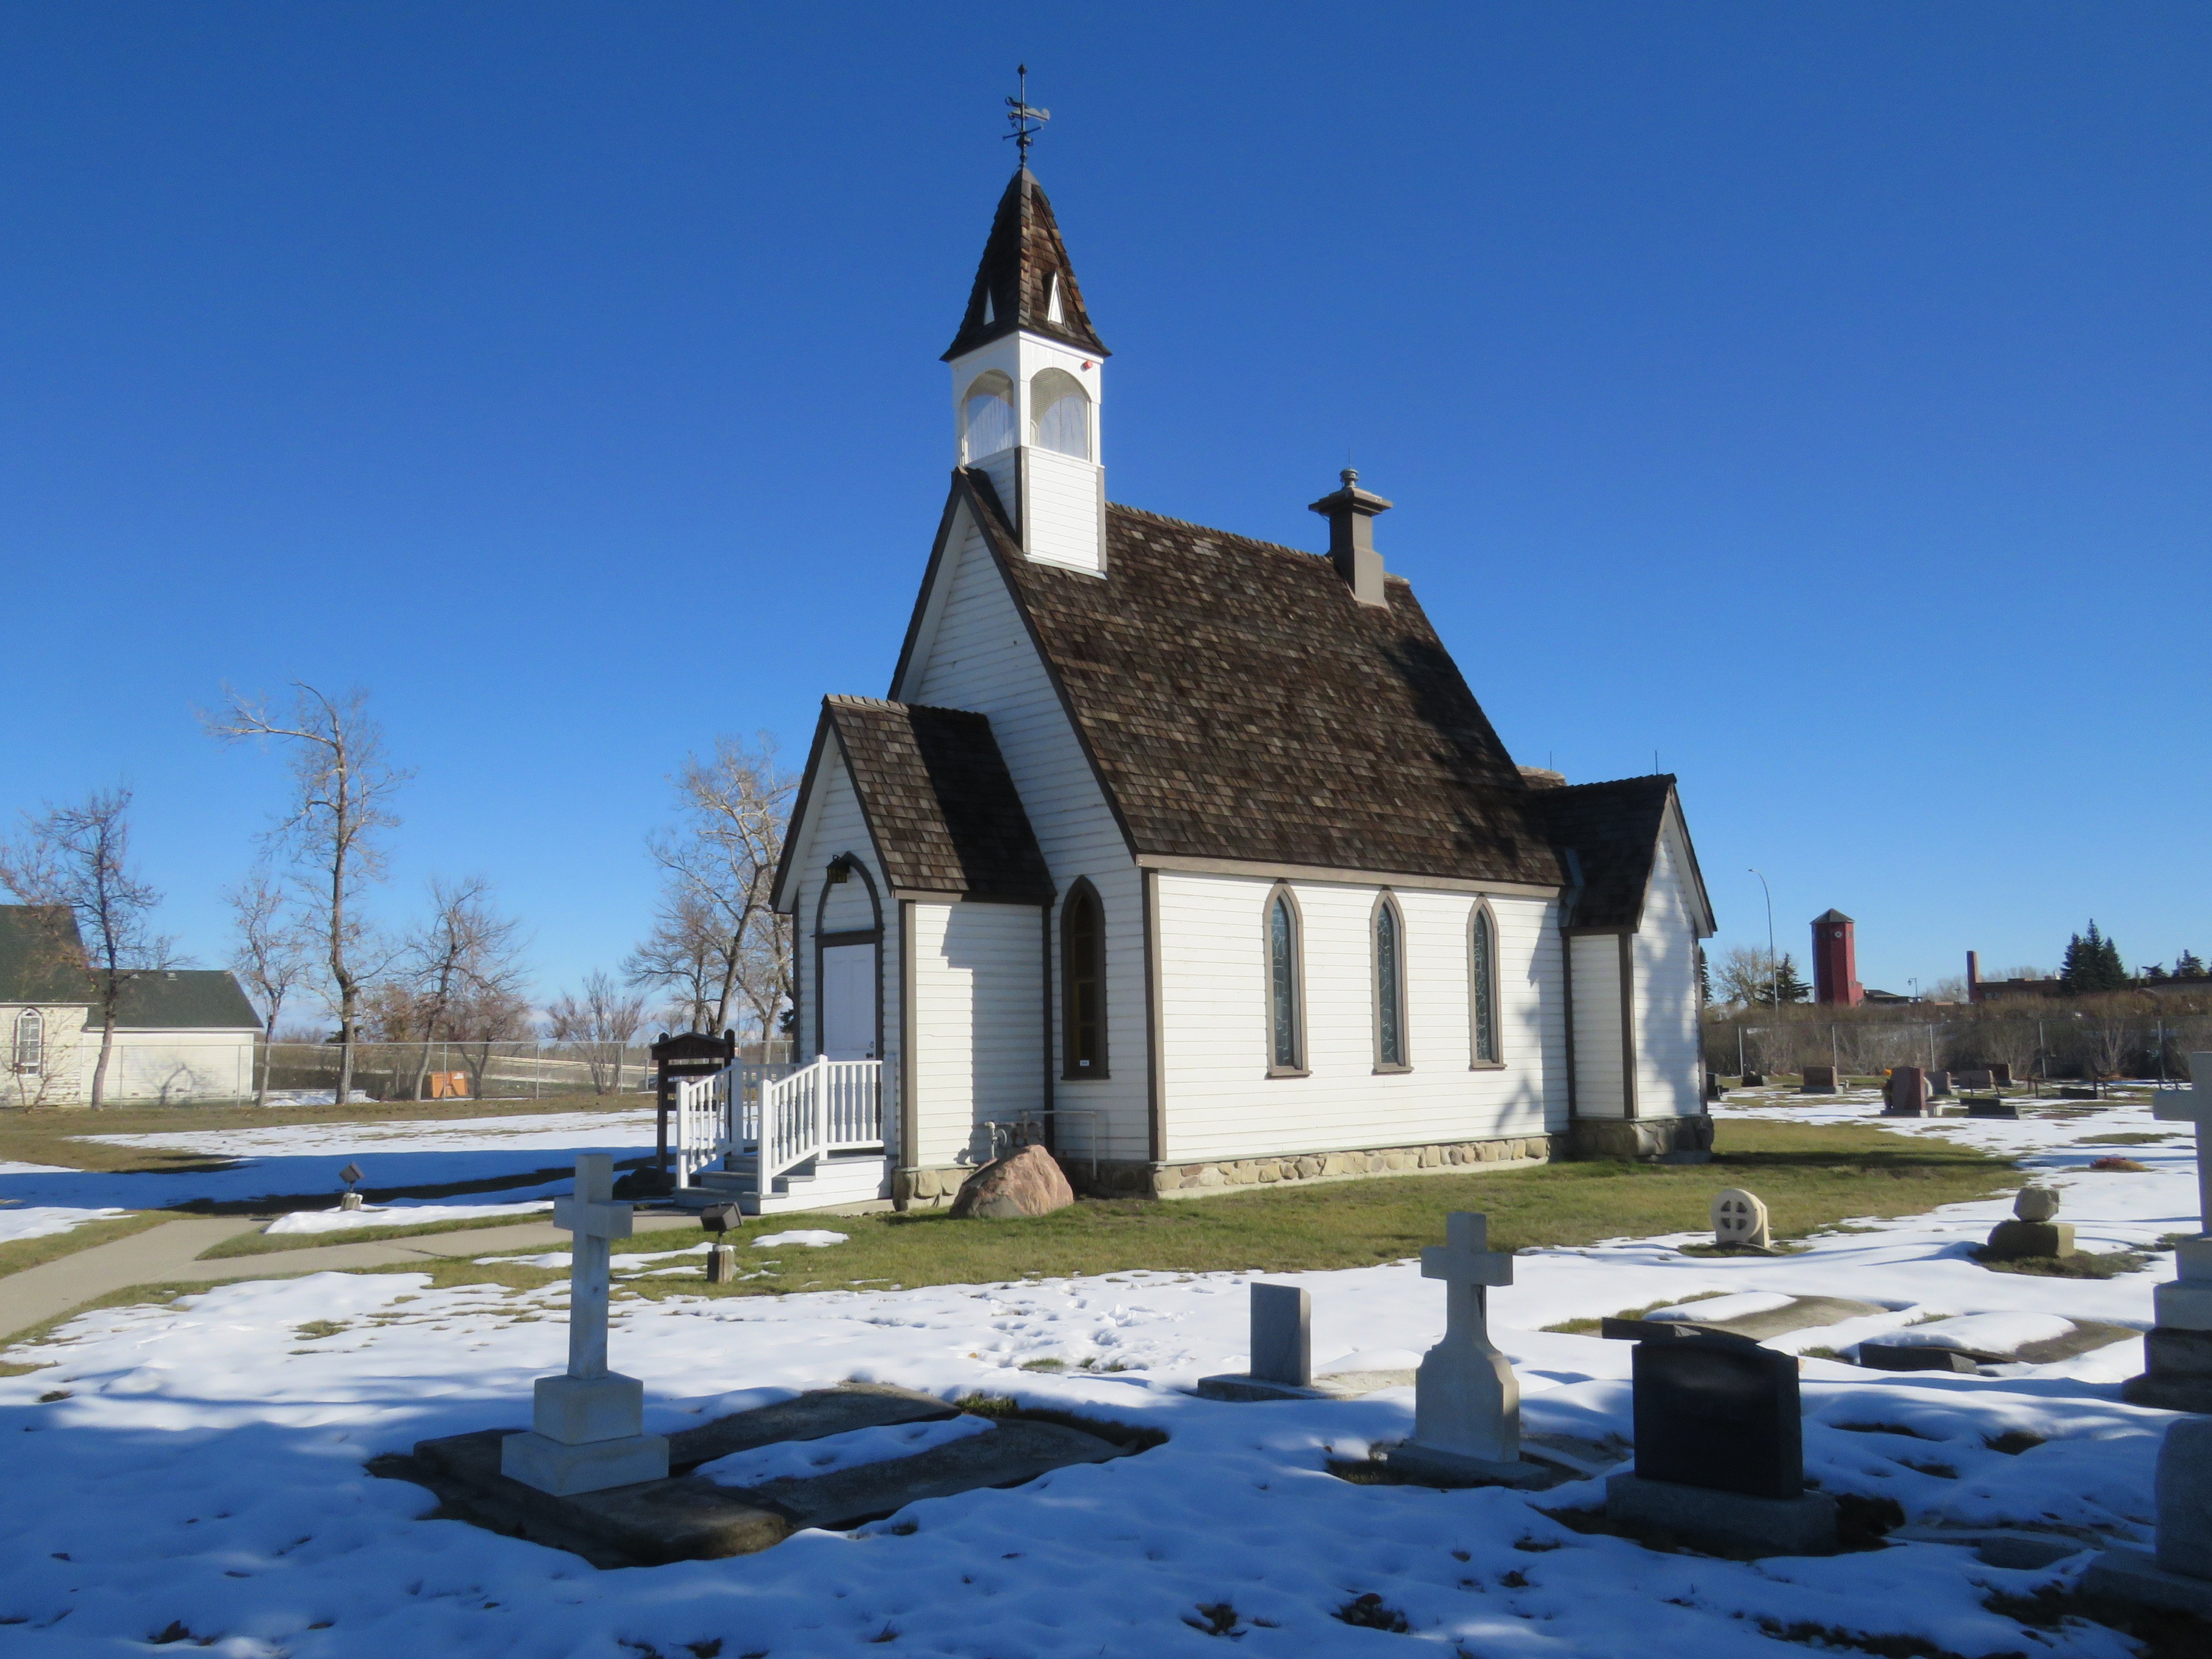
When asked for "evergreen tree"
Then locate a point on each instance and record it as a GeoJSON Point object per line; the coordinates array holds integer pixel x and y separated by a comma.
{"type": "Point", "coordinates": [2189, 965]}
{"type": "Point", "coordinates": [2092, 964]}
{"type": "Point", "coordinates": [1788, 987]}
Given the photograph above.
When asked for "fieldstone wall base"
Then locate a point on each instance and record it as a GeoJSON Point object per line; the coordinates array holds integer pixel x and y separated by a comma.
{"type": "Point", "coordinates": [1645, 1140]}
{"type": "Point", "coordinates": [1196, 1180]}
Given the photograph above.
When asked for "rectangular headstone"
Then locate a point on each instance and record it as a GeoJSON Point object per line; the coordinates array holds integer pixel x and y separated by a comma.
{"type": "Point", "coordinates": [1975, 1079]}
{"type": "Point", "coordinates": [1818, 1080]}
{"type": "Point", "coordinates": [1939, 1084]}
{"type": "Point", "coordinates": [1908, 1092]}
{"type": "Point", "coordinates": [1282, 1334]}
{"type": "Point", "coordinates": [1719, 1414]}
{"type": "Point", "coordinates": [2000, 1074]}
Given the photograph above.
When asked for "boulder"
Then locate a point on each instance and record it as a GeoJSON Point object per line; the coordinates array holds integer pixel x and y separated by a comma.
{"type": "Point", "coordinates": [1024, 1183]}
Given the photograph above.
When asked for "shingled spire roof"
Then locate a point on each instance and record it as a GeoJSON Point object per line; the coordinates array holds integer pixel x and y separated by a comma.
{"type": "Point", "coordinates": [1014, 283]}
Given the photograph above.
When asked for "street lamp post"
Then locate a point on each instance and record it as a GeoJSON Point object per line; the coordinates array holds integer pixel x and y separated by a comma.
{"type": "Point", "coordinates": [1773, 962]}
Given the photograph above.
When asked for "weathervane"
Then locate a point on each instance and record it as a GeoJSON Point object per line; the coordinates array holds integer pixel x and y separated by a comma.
{"type": "Point", "coordinates": [1019, 115]}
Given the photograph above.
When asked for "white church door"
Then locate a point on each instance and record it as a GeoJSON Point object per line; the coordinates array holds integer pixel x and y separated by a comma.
{"type": "Point", "coordinates": [848, 1001]}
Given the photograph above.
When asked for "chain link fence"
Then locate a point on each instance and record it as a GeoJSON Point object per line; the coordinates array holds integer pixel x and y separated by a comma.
{"type": "Point", "coordinates": [2049, 1046]}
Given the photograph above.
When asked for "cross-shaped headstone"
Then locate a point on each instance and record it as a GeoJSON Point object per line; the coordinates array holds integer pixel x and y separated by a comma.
{"type": "Point", "coordinates": [2192, 1105]}
{"type": "Point", "coordinates": [1465, 1398]}
{"type": "Point", "coordinates": [597, 1221]}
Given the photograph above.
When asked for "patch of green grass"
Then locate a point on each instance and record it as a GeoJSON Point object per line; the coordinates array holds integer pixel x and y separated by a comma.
{"type": "Point", "coordinates": [1812, 1176]}
{"type": "Point", "coordinates": [259, 1243]}
{"type": "Point", "coordinates": [2125, 1138]}
{"type": "Point", "coordinates": [18, 1253]}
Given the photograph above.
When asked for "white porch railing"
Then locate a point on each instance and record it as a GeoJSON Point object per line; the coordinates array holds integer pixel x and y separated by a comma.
{"type": "Point", "coordinates": [831, 1106]}
{"type": "Point", "coordinates": [786, 1114]}
{"type": "Point", "coordinates": [719, 1114]}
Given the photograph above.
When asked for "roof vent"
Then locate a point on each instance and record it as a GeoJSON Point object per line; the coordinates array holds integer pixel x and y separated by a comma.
{"type": "Point", "coordinates": [1351, 514]}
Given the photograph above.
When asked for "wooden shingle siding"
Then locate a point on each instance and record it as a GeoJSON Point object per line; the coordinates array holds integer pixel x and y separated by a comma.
{"type": "Point", "coordinates": [1670, 1068]}
{"type": "Point", "coordinates": [1598, 1091]}
{"type": "Point", "coordinates": [1222, 1104]}
{"type": "Point", "coordinates": [980, 656]}
{"type": "Point", "coordinates": [978, 1022]}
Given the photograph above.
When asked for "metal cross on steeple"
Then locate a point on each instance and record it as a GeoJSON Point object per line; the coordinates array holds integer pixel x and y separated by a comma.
{"type": "Point", "coordinates": [1019, 115]}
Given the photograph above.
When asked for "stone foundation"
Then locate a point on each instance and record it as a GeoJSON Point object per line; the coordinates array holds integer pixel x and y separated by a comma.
{"type": "Point", "coordinates": [1684, 1139]}
{"type": "Point", "coordinates": [1641, 1140]}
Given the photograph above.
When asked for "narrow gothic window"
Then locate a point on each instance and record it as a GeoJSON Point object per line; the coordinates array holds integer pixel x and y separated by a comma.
{"type": "Point", "coordinates": [1062, 419]}
{"type": "Point", "coordinates": [1083, 981]}
{"type": "Point", "coordinates": [30, 1041]}
{"type": "Point", "coordinates": [1482, 977]}
{"type": "Point", "coordinates": [1389, 985]}
{"type": "Point", "coordinates": [1286, 1041]}
{"type": "Point", "coordinates": [987, 415]}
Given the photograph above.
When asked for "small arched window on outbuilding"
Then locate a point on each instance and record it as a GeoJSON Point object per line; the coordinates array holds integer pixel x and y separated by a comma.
{"type": "Point", "coordinates": [1083, 983]}
{"type": "Point", "coordinates": [1060, 418]}
{"type": "Point", "coordinates": [1388, 927]}
{"type": "Point", "coordinates": [987, 417]}
{"type": "Point", "coordinates": [1285, 964]}
{"type": "Point", "coordinates": [1482, 987]}
{"type": "Point", "coordinates": [30, 1041]}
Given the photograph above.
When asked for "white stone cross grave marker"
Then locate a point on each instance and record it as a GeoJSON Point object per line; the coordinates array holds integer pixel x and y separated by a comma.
{"type": "Point", "coordinates": [587, 1426]}
{"type": "Point", "coordinates": [1465, 1398]}
{"type": "Point", "coordinates": [2185, 1302]}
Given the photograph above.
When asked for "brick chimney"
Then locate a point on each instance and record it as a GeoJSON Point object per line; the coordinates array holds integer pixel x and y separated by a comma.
{"type": "Point", "coordinates": [1351, 514]}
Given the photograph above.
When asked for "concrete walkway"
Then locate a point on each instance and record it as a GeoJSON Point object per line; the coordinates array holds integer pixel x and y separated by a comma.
{"type": "Point", "coordinates": [169, 1254]}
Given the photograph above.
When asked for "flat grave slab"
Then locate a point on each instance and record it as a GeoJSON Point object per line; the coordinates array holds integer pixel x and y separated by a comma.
{"type": "Point", "coordinates": [1329, 1385]}
{"type": "Point", "coordinates": [1971, 1340]}
{"type": "Point", "coordinates": [688, 1517]}
{"type": "Point", "coordinates": [1755, 1324]}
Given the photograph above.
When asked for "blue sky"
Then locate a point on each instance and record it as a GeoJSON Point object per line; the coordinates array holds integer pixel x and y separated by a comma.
{"type": "Point", "coordinates": [1814, 396]}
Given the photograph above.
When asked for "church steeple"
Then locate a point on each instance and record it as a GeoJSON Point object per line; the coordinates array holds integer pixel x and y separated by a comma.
{"type": "Point", "coordinates": [1028, 373]}
{"type": "Point", "coordinates": [1025, 280]}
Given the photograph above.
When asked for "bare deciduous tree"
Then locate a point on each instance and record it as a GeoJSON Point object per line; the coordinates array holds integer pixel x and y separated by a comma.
{"type": "Point", "coordinates": [270, 955]}
{"type": "Point", "coordinates": [76, 860]}
{"type": "Point", "coordinates": [724, 946]}
{"type": "Point", "coordinates": [342, 783]}
{"type": "Point", "coordinates": [601, 1023]}
{"type": "Point", "coordinates": [462, 963]}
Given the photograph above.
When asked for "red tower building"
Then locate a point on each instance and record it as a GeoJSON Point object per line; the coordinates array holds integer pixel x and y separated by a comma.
{"type": "Point", "coordinates": [1836, 962]}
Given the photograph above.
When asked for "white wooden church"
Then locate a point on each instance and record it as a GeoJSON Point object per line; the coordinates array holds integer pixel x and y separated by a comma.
{"type": "Point", "coordinates": [1195, 854]}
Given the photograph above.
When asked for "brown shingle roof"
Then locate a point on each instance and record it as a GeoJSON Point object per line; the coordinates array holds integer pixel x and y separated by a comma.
{"type": "Point", "coordinates": [1614, 830]}
{"type": "Point", "coordinates": [938, 800]}
{"type": "Point", "coordinates": [1238, 703]}
{"type": "Point", "coordinates": [1021, 257]}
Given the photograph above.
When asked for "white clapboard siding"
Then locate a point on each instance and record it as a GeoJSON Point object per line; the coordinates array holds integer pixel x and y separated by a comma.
{"type": "Point", "coordinates": [1222, 1104]}
{"type": "Point", "coordinates": [979, 656]}
{"type": "Point", "coordinates": [835, 827]}
{"type": "Point", "coordinates": [1669, 1069]}
{"type": "Point", "coordinates": [978, 1022]}
{"type": "Point", "coordinates": [1598, 1091]}
{"type": "Point", "coordinates": [1060, 510]}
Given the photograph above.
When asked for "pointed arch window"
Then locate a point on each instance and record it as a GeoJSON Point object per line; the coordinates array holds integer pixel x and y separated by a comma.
{"type": "Point", "coordinates": [1083, 983]}
{"type": "Point", "coordinates": [1061, 420]}
{"type": "Point", "coordinates": [1389, 929]}
{"type": "Point", "coordinates": [30, 1041]}
{"type": "Point", "coordinates": [1286, 964]}
{"type": "Point", "coordinates": [1482, 987]}
{"type": "Point", "coordinates": [987, 417]}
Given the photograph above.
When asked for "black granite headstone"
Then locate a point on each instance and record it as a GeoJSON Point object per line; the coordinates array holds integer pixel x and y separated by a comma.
{"type": "Point", "coordinates": [1720, 1414]}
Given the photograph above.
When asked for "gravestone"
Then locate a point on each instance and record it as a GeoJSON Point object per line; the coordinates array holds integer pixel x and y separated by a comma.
{"type": "Point", "coordinates": [1974, 1080]}
{"type": "Point", "coordinates": [1754, 1079]}
{"type": "Point", "coordinates": [1740, 1218]}
{"type": "Point", "coordinates": [2032, 1232]}
{"type": "Point", "coordinates": [2000, 1074]}
{"type": "Point", "coordinates": [1282, 1357]}
{"type": "Point", "coordinates": [1818, 1080]}
{"type": "Point", "coordinates": [2180, 1575]}
{"type": "Point", "coordinates": [2179, 1348]}
{"type": "Point", "coordinates": [1467, 1404]}
{"type": "Point", "coordinates": [587, 1426]}
{"type": "Point", "coordinates": [1713, 1090]}
{"type": "Point", "coordinates": [1992, 1106]}
{"type": "Point", "coordinates": [1906, 1092]}
{"type": "Point", "coordinates": [1720, 1456]}
{"type": "Point", "coordinates": [1939, 1086]}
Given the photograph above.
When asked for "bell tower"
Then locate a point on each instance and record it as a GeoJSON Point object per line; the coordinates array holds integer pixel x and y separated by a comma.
{"type": "Point", "coordinates": [1028, 376]}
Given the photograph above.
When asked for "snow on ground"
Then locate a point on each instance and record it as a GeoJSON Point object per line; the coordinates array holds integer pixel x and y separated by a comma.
{"type": "Point", "coordinates": [38, 1222]}
{"type": "Point", "coordinates": [204, 1470]}
{"type": "Point", "coordinates": [401, 1212]}
{"type": "Point", "coordinates": [289, 1159]}
{"type": "Point", "coordinates": [797, 1460]}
